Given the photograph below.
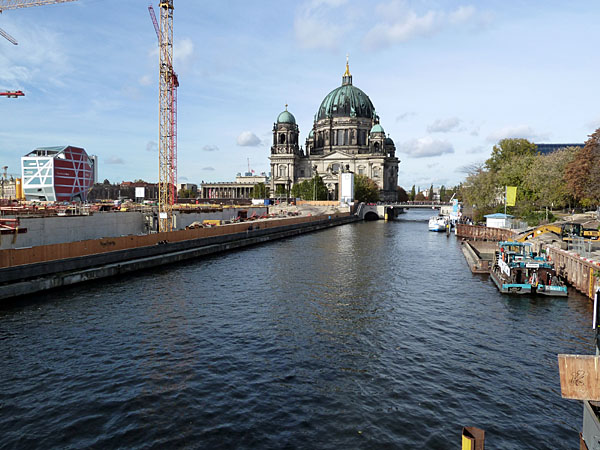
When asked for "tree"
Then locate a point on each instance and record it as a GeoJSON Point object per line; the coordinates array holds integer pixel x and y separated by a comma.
{"type": "Point", "coordinates": [420, 197]}
{"type": "Point", "coordinates": [430, 196]}
{"type": "Point", "coordinates": [412, 193]}
{"type": "Point", "coordinates": [313, 189]}
{"type": "Point", "coordinates": [582, 174]}
{"type": "Point", "coordinates": [401, 195]}
{"type": "Point", "coordinates": [280, 190]}
{"type": "Point", "coordinates": [507, 149]}
{"type": "Point", "coordinates": [259, 190]}
{"type": "Point", "coordinates": [546, 178]}
{"type": "Point", "coordinates": [365, 189]}
{"type": "Point", "coordinates": [443, 194]}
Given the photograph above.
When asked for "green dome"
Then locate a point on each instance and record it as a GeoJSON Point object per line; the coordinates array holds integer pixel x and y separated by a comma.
{"type": "Point", "coordinates": [286, 117]}
{"type": "Point", "coordinates": [377, 129]}
{"type": "Point", "coordinates": [311, 134]}
{"type": "Point", "coordinates": [346, 101]}
{"type": "Point", "coordinates": [388, 141]}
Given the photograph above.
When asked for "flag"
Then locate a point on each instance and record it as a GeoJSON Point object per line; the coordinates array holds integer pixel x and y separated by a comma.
{"type": "Point", "coordinates": [511, 195]}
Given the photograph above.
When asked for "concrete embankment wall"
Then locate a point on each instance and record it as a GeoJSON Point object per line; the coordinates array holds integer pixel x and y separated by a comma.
{"type": "Point", "coordinates": [26, 271]}
{"type": "Point", "coordinates": [57, 230]}
{"type": "Point", "coordinates": [577, 270]}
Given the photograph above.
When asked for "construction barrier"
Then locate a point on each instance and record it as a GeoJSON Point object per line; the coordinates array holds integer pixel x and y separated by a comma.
{"type": "Point", "coordinates": [43, 253]}
{"type": "Point", "coordinates": [480, 233]}
{"type": "Point", "coordinates": [581, 273]}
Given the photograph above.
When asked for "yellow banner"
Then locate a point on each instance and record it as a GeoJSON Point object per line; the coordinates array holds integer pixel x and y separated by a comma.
{"type": "Point", "coordinates": [511, 195]}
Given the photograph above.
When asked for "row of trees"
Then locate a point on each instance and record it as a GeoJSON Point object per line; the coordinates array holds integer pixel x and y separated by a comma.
{"type": "Point", "coordinates": [565, 178]}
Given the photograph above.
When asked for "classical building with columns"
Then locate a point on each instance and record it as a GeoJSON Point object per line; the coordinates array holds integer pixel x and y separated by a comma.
{"type": "Point", "coordinates": [240, 188]}
{"type": "Point", "coordinates": [346, 136]}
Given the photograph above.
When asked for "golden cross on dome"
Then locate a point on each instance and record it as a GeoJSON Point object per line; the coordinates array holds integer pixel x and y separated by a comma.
{"type": "Point", "coordinates": [347, 73]}
{"type": "Point", "coordinates": [286, 106]}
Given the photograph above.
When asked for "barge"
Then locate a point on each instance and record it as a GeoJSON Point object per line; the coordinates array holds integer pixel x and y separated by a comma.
{"type": "Point", "coordinates": [519, 270]}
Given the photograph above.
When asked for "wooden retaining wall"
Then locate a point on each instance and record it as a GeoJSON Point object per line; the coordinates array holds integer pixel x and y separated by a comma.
{"type": "Point", "coordinates": [43, 253]}
{"type": "Point", "coordinates": [577, 270]}
{"type": "Point", "coordinates": [480, 233]}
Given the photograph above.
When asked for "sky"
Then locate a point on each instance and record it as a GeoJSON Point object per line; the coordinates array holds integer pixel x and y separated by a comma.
{"type": "Point", "coordinates": [448, 79]}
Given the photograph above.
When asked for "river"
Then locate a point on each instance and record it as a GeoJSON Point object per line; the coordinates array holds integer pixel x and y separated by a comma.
{"type": "Point", "coordinates": [370, 335]}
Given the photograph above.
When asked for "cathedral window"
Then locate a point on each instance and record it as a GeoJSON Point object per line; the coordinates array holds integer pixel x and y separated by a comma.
{"type": "Point", "coordinates": [361, 170]}
{"type": "Point", "coordinates": [282, 138]}
{"type": "Point", "coordinates": [376, 172]}
{"type": "Point", "coordinates": [345, 137]}
{"type": "Point", "coordinates": [282, 171]}
{"type": "Point", "coordinates": [376, 146]}
{"type": "Point", "coordinates": [340, 137]}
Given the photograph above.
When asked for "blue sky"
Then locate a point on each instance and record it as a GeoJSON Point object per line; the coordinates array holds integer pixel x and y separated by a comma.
{"type": "Point", "coordinates": [448, 79]}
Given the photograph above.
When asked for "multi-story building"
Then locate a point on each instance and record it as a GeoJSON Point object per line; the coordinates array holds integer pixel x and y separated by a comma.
{"type": "Point", "coordinates": [346, 137]}
{"type": "Point", "coordinates": [57, 174]}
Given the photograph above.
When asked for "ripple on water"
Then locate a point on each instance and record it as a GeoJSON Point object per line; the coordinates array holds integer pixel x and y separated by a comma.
{"type": "Point", "coordinates": [366, 335]}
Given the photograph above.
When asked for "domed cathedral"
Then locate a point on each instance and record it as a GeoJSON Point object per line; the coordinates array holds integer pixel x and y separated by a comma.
{"type": "Point", "coordinates": [346, 136]}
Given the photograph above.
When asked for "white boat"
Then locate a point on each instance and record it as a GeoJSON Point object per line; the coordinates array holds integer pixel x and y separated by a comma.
{"type": "Point", "coordinates": [437, 223]}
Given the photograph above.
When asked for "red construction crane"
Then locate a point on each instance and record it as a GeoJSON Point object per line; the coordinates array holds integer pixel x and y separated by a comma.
{"type": "Point", "coordinates": [14, 4]}
{"type": "Point", "coordinates": [167, 147]}
{"type": "Point", "coordinates": [12, 94]}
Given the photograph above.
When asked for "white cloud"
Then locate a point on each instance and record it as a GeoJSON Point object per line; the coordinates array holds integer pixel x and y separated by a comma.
{"type": "Point", "coordinates": [517, 131]}
{"type": "Point", "coordinates": [114, 160]}
{"type": "Point", "coordinates": [211, 148]}
{"type": "Point", "coordinates": [315, 29]}
{"type": "Point", "coordinates": [477, 149]}
{"type": "Point", "coordinates": [248, 139]}
{"type": "Point", "coordinates": [406, 115]}
{"type": "Point", "coordinates": [183, 49]}
{"type": "Point", "coordinates": [399, 23]}
{"type": "Point", "coordinates": [152, 146]}
{"type": "Point", "coordinates": [425, 147]}
{"type": "Point", "coordinates": [444, 125]}
{"type": "Point", "coordinates": [39, 57]}
{"type": "Point", "coordinates": [146, 80]}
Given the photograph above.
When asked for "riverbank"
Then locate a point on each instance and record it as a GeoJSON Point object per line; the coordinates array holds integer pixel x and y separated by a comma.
{"type": "Point", "coordinates": [30, 270]}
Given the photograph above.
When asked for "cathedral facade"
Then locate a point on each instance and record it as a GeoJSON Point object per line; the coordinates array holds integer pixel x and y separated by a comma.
{"type": "Point", "coordinates": [346, 137]}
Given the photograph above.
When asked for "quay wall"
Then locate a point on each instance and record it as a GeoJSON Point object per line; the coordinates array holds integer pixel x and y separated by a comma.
{"type": "Point", "coordinates": [45, 271]}
{"type": "Point", "coordinates": [577, 270]}
{"type": "Point", "coordinates": [62, 229]}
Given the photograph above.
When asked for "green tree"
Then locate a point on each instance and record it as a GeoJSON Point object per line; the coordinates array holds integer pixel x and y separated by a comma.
{"type": "Point", "coordinates": [443, 197]}
{"type": "Point", "coordinates": [507, 149]}
{"type": "Point", "coordinates": [259, 190]}
{"type": "Point", "coordinates": [430, 196]}
{"type": "Point", "coordinates": [546, 178]}
{"type": "Point", "coordinates": [365, 189]}
{"type": "Point", "coordinates": [313, 189]}
{"type": "Point", "coordinates": [412, 193]}
{"type": "Point", "coordinates": [401, 195]}
{"type": "Point", "coordinates": [582, 174]}
{"type": "Point", "coordinates": [280, 190]}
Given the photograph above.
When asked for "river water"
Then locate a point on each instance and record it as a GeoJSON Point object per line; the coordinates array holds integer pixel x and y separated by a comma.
{"type": "Point", "coordinates": [370, 335]}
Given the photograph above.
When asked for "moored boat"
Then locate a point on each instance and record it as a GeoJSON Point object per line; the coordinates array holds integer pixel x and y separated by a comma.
{"type": "Point", "coordinates": [437, 223]}
{"type": "Point", "coordinates": [518, 270]}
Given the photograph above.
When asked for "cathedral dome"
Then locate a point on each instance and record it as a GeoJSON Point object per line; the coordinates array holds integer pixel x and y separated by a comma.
{"type": "Point", "coordinates": [389, 141]}
{"type": "Point", "coordinates": [377, 129]}
{"type": "Point", "coordinates": [286, 117]}
{"type": "Point", "coordinates": [346, 101]}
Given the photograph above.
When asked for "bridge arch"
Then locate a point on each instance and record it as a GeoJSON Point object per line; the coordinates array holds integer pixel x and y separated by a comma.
{"type": "Point", "coordinates": [371, 215]}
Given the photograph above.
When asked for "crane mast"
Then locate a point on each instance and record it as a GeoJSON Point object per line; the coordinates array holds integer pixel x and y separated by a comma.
{"type": "Point", "coordinates": [167, 147]}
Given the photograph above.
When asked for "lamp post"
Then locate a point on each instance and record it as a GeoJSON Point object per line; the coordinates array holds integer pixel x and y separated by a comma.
{"type": "Point", "coordinates": [288, 189]}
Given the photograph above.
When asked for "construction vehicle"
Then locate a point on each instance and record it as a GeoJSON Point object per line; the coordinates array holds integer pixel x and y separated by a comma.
{"type": "Point", "coordinates": [566, 231]}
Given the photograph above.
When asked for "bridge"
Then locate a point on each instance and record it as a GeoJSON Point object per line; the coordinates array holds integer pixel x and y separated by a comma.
{"type": "Point", "coordinates": [390, 211]}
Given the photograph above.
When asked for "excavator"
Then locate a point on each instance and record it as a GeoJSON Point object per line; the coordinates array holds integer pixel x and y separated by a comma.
{"type": "Point", "coordinates": [566, 231]}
